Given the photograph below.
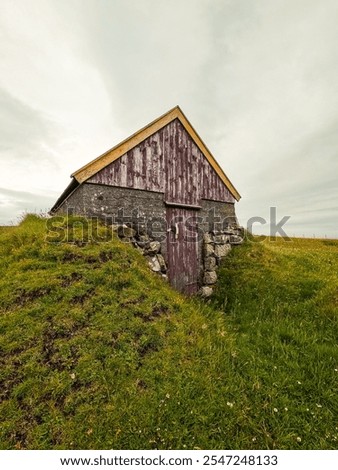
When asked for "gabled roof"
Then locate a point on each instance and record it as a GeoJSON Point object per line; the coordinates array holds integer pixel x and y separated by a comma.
{"type": "Point", "coordinates": [123, 147]}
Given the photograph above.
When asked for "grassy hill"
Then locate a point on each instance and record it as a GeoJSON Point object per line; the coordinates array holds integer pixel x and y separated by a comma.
{"type": "Point", "coordinates": [98, 352]}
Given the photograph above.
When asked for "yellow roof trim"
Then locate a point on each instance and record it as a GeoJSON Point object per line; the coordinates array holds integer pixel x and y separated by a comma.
{"type": "Point", "coordinates": [123, 147]}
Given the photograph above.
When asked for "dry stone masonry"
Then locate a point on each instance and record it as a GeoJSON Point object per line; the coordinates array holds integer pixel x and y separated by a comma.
{"type": "Point", "coordinates": [148, 247]}
{"type": "Point", "coordinates": [216, 246]}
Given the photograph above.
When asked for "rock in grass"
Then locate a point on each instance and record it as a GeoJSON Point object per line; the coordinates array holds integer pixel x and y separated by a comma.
{"type": "Point", "coordinates": [236, 240]}
{"type": "Point", "coordinates": [154, 248]}
{"type": "Point", "coordinates": [210, 277]}
{"type": "Point", "coordinates": [154, 264]}
{"type": "Point", "coordinates": [222, 250]}
{"type": "Point", "coordinates": [161, 261]}
{"type": "Point", "coordinates": [123, 231]}
{"type": "Point", "coordinates": [205, 291]}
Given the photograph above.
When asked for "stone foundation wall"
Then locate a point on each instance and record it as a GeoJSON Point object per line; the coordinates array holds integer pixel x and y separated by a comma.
{"type": "Point", "coordinates": [216, 246]}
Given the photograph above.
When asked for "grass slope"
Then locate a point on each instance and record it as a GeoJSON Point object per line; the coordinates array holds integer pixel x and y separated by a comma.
{"type": "Point", "coordinates": [281, 302]}
{"type": "Point", "coordinates": [97, 352]}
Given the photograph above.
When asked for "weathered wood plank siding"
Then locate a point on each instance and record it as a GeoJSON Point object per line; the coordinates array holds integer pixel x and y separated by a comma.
{"type": "Point", "coordinates": [168, 162]}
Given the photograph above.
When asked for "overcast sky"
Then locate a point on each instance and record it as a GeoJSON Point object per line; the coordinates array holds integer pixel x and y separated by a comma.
{"type": "Point", "coordinates": [258, 79]}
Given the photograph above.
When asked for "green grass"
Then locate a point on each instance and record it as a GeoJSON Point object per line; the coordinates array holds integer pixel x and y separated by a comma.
{"type": "Point", "coordinates": [281, 302]}
{"type": "Point", "coordinates": [98, 352]}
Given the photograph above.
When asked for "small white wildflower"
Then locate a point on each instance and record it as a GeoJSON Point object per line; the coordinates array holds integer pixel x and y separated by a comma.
{"type": "Point", "coordinates": [299, 383]}
{"type": "Point", "coordinates": [318, 405]}
{"type": "Point", "coordinates": [275, 367]}
{"type": "Point", "coordinates": [299, 439]}
{"type": "Point", "coordinates": [253, 439]}
{"type": "Point", "coordinates": [72, 376]}
{"type": "Point", "coordinates": [286, 409]}
{"type": "Point", "coordinates": [307, 409]}
{"type": "Point", "coordinates": [167, 395]}
{"type": "Point", "coordinates": [275, 410]}
{"type": "Point", "coordinates": [230, 404]}
{"type": "Point", "coordinates": [336, 370]}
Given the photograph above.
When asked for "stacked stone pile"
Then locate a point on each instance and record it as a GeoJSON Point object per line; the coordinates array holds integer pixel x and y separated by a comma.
{"type": "Point", "coordinates": [216, 246]}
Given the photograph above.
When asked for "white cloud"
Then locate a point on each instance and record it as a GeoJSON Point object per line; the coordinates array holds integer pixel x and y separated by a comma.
{"type": "Point", "coordinates": [258, 80]}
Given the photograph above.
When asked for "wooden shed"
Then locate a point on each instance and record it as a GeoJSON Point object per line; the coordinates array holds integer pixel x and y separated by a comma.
{"type": "Point", "coordinates": [164, 183]}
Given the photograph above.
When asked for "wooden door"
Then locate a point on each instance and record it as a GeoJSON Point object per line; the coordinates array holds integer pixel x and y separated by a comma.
{"type": "Point", "coordinates": [182, 249]}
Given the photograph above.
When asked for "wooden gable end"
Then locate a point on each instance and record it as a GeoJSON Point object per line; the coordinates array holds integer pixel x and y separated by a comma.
{"type": "Point", "coordinates": [170, 162]}
{"type": "Point", "coordinates": [93, 167]}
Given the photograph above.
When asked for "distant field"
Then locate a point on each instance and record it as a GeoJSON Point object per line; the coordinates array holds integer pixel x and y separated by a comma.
{"type": "Point", "coordinates": [98, 352]}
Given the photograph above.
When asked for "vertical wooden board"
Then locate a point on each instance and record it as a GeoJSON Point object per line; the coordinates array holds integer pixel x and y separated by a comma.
{"type": "Point", "coordinates": [118, 172]}
{"type": "Point", "coordinates": [144, 166]}
{"type": "Point", "coordinates": [184, 168]}
{"type": "Point", "coordinates": [166, 172]}
{"type": "Point", "coordinates": [213, 188]}
{"type": "Point", "coordinates": [154, 162]}
{"type": "Point", "coordinates": [170, 164]}
{"type": "Point", "coordinates": [123, 174]}
{"type": "Point", "coordinates": [162, 177]}
{"type": "Point", "coordinates": [188, 185]}
{"type": "Point", "coordinates": [149, 169]}
{"type": "Point", "coordinates": [195, 185]}
{"type": "Point", "coordinates": [110, 173]}
{"type": "Point", "coordinates": [191, 175]}
{"type": "Point", "coordinates": [205, 177]}
{"type": "Point", "coordinates": [130, 168]}
{"type": "Point", "coordinates": [100, 177]}
{"type": "Point", "coordinates": [172, 189]}
{"type": "Point", "coordinates": [137, 168]}
{"type": "Point", "coordinates": [179, 164]}
{"type": "Point", "coordinates": [200, 177]}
